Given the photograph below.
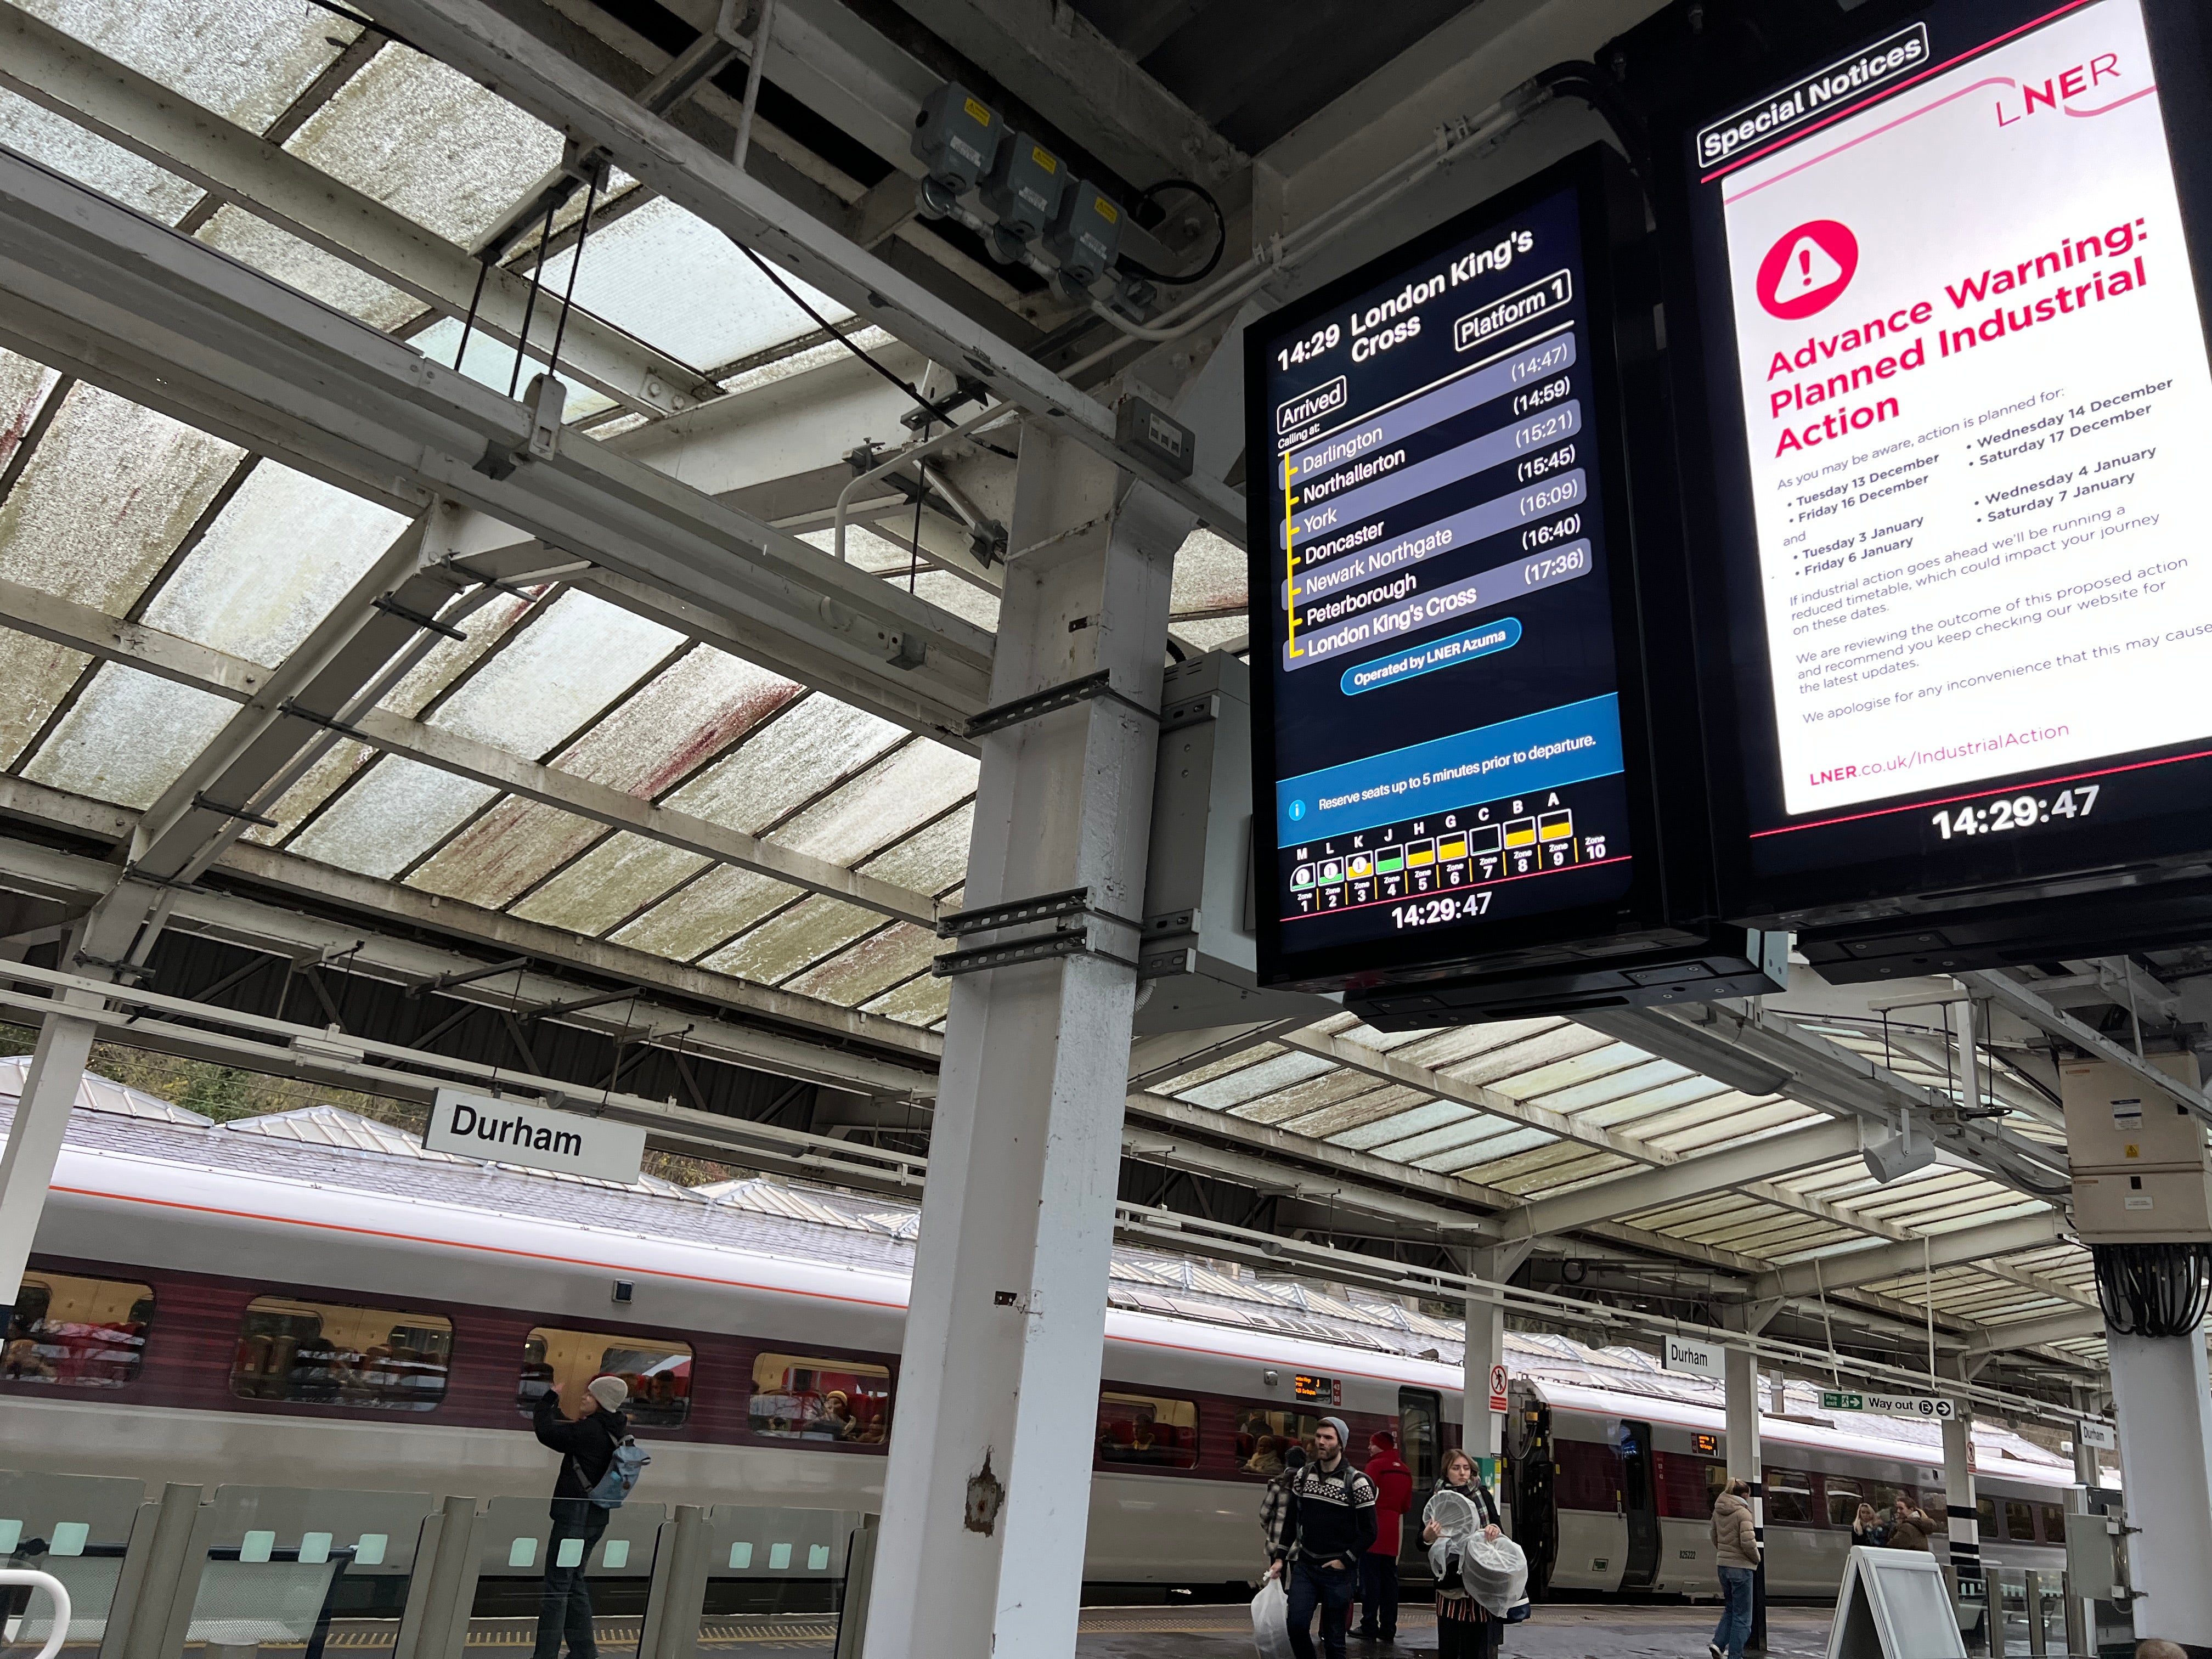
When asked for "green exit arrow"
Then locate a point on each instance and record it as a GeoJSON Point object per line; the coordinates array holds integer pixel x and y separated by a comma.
{"type": "Point", "coordinates": [1843, 1402]}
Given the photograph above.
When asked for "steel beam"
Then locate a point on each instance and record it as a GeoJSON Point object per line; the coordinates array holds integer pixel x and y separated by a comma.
{"type": "Point", "coordinates": [2022, 1000]}
{"type": "Point", "coordinates": [184, 662]}
{"type": "Point", "coordinates": [259, 175]}
{"type": "Point", "coordinates": [1706, 1172]}
{"type": "Point", "coordinates": [171, 324]}
{"type": "Point", "coordinates": [885, 1055]}
{"type": "Point", "coordinates": [1963, 1246]}
{"type": "Point", "coordinates": [473, 38]}
{"type": "Point", "coordinates": [1376, 1063]}
{"type": "Point", "coordinates": [2035, 1332]}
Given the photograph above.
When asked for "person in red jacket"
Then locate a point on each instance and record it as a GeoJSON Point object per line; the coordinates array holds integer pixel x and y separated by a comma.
{"type": "Point", "coordinates": [1378, 1567]}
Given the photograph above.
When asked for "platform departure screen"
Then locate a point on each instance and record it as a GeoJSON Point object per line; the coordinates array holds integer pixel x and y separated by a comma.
{"type": "Point", "coordinates": [1970, 368]}
{"type": "Point", "coordinates": [1431, 563]}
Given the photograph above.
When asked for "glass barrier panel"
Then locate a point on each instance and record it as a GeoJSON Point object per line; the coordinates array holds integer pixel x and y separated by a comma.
{"type": "Point", "coordinates": [77, 1527]}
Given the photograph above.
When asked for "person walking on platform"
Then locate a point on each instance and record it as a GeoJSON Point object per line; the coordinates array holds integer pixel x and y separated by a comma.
{"type": "Point", "coordinates": [1378, 1563]}
{"type": "Point", "coordinates": [587, 1449]}
{"type": "Point", "coordinates": [1275, 1497]}
{"type": "Point", "coordinates": [1465, 1629]}
{"type": "Point", "coordinates": [1735, 1546]}
{"type": "Point", "coordinates": [1325, 1527]}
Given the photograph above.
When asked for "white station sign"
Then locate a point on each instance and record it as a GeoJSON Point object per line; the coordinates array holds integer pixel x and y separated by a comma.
{"type": "Point", "coordinates": [1698, 1359]}
{"type": "Point", "coordinates": [2101, 1436]}
{"type": "Point", "coordinates": [509, 1132]}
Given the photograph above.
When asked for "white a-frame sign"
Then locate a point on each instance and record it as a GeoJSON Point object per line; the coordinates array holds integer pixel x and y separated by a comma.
{"type": "Point", "coordinates": [1894, 1604]}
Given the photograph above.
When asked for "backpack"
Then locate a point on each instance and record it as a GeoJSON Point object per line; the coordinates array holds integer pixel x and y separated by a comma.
{"type": "Point", "coordinates": [622, 1476]}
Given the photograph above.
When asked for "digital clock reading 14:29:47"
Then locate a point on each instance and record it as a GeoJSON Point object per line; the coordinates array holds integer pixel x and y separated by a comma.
{"type": "Point", "coordinates": [2018, 812]}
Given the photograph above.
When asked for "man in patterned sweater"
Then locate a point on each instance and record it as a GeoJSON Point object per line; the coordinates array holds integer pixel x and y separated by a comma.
{"type": "Point", "coordinates": [1324, 1527]}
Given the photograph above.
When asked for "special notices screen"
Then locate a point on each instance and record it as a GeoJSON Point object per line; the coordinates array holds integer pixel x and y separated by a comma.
{"type": "Point", "coordinates": [1976, 400]}
{"type": "Point", "coordinates": [1447, 738]}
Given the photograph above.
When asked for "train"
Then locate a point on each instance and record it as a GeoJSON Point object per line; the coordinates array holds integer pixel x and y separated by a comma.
{"type": "Point", "coordinates": [313, 1299]}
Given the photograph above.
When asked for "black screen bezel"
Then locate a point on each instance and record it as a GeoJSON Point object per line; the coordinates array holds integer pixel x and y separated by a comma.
{"type": "Point", "coordinates": [1611, 217]}
{"type": "Point", "coordinates": [1859, 882]}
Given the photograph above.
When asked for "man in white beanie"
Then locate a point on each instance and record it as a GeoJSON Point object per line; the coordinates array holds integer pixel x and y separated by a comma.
{"type": "Point", "coordinates": [588, 1448]}
{"type": "Point", "coordinates": [1327, 1523]}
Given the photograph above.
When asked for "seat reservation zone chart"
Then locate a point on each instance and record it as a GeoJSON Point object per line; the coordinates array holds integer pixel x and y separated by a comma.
{"type": "Point", "coordinates": [1446, 731]}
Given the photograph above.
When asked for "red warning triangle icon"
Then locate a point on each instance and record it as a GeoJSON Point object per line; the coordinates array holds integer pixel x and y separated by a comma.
{"type": "Point", "coordinates": [1808, 269]}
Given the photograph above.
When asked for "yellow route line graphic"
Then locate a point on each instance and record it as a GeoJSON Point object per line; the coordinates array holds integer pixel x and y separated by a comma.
{"type": "Point", "coordinates": [1290, 564]}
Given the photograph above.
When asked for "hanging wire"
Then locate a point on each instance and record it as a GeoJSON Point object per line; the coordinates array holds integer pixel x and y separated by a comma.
{"type": "Point", "coordinates": [575, 264]}
{"type": "Point", "coordinates": [824, 324]}
{"type": "Point", "coordinates": [1835, 1369]}
{"type": "Point", "coordinates": [530, 306]}
{"type": "Point", "coordinates": [1928, 1297]}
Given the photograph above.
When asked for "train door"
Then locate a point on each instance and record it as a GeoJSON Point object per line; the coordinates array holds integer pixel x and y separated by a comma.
{"type": "Point", "coordinates": [1639, 1506]}
{"type": "Point", "coordinates": [1536, 1516]}
{"type": "Point", "coordinates": [1420, 1441]}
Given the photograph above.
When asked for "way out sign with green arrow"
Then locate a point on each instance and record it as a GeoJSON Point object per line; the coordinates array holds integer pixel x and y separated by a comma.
{"type": "Point", "coordinates": [1891, 1405]}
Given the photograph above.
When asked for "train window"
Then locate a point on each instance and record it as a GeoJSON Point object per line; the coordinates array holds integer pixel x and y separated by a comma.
{"type": "Point", "coordinates": [329, 1354]}
{"type": "Point", "coordinates": [658, 1373]}
{"type": "Point", "coordinates": [1985, 1510]}
{"type": "Point", "coordinates": [1144, 1428]}
{"type": "Point", "coordinates": [2019, 1521]}
{"type": "Point", "coordinates": [2054, 1522]}
{"type": "Point", "coordinates": [1416, 1435]}
{"type": "Point", "coordinates": [1843, 1500]}
{"type": "Point", "coordinates": [796, 1397]}
{"type": "Point", "coordinates": [76, 1333]}
{"type": "Point", "coordinates": [1264, 1434]}
{"type": "Point", "coordinates": [1885, 1497]}
{"type": "Point", "coordinates": [1790, 1498]}
{"type": "Point", "coordinates": [1588, 1476]}
{"type": "Point", "coordinates": [1684, 1492]}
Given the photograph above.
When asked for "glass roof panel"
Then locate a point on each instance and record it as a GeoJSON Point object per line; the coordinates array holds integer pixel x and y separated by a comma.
{"type": "Point", "coordinates": [787, 762]}
{"type": "Point", "coordinates": [450, 659]}
{"type": "Point", "coordinates": [793, 940]}
{"type": "Point", "coordinates": [427, 142]}
{"type": "Point", "coordinates": [105, 499]}
{"type": "Point", "coordinates": [1210, 575]}
{"type": "Point", "coordinates": [612, 883]}
{"type": "Point", "coordinates": [323, 781]}
{"type": "Point", "coordinates": [337, 283]}
{"type": "Point", "coordinates": [672, 278]}
{"type": "Point", "coordinates": [24, 388]}
{"type": "Point", "coordinates": [34, 676]}
{"type": "Point", "coordinates": [703, 703]}
{"type": "Point", "coordinates": [245, 59]}
{"type": "Point", "coordinates": [280, 555]}
{"type": "Point", "coordinates": [504, 851]}
{"type": "Point", "coordinates": [391, 816]}
{"type": "Point", "coordinates": [932, 859]}
{"type": "Point", "coordinates": [710, 911]}
{"type": "Point", "coordinates": [906, 789]}
{"type": "Point", "coordinates": [920, 1001]}
{"type": "Point", "coordinates": [556, 674]}
{"type": "Point", "coordinates": [1256, 1080]}
{"type": "Point", "coordinates": [127, 737]}
{"type": "Point", "coordinates": [872, 966]}
{"type": "Point", "coordinates": [59, 143]}
{"type": "Point", "coordinates": [1327, 1089]}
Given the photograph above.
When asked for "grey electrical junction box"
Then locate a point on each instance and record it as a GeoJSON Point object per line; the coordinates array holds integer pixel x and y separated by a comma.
{"type": "Point", "coordinates": [1199, 954]}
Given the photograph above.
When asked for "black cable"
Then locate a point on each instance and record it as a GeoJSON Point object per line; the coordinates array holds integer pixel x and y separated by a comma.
{"type": "Point", "coordinates": [1220, 238]}
{"type": "Point", "coordinates": [575, 264]}
{"type": "Point", "coordinates": [468, 327]}
{"type": "Point", "coordinates": [369, 24]}
{"type": "Point", "coordinates": [791, 294]}
{"type": "Point", "coordinates": [1587, 82]}
{"type": "Point", "coordinates": [529, 306]}
{"type": "Point", "coordinates": [2154, 1289]}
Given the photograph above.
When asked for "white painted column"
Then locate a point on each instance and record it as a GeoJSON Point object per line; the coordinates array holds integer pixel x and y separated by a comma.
{"type": "Point", "coordinates": [1745, 1463]}
{"type": "Point", "coordinates": [987, 1501]}
{"type": "Point", "coordinates": [1964, 1528]}
{"type": "Point", "coordinates": [35, 1142]}
{"type": "Point", "coordinates": [2159, 1393]}
{"type": "Point", "coordinates": [1482, 1430]}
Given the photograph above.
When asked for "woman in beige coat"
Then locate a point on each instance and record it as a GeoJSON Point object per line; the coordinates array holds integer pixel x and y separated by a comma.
{"type": "Point", "coordinates": [1735, 1547]}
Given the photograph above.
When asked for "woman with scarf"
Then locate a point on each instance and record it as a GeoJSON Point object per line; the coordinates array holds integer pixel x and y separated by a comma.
{"type": "Point", "coordinates": [1464, 1629]}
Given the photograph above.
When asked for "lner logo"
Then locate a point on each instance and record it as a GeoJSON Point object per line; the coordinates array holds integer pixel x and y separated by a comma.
{"type": "Point", "coordinates": [1311, 406]}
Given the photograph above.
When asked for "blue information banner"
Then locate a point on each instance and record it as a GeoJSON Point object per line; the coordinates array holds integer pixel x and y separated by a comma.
{"type": "Point", "coordinates": [1536, 752]}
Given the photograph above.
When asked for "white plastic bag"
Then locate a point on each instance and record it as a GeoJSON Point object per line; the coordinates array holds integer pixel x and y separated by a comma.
{"type": "Point", "coordinates": [1271, 1621]}
{"type": "Point", "coordinates": [1496, 1573]}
